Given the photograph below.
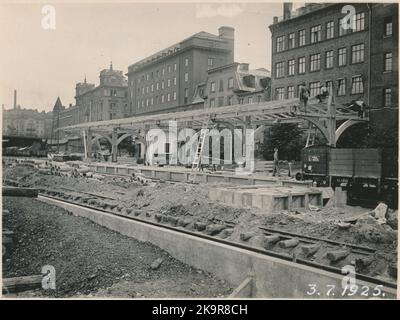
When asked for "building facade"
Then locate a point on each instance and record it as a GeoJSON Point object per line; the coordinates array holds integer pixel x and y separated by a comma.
{"type": "Point", "coordinates": [384, 64]}
{"type": "Point", "coordinates": [346, 55]}
{"type": "Point", "coordinates": [167, 81]}
{"type": "Point", "coordinates": [236, 84]}
{"type": "Point", "coordinates": [27, 123]}
{"type": "Point", "coordinates": [108, 100]}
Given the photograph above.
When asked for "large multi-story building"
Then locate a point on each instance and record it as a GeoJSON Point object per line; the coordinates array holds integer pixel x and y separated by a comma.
{"type": "Point", "coordinates": [108, 100]}
{"type": "Point", "coordinates": [236, 84]}
{"type": "Point", "coordinates": [354, 53]}
{"type": "Point", "coordinates": [26, 122]}
{"type": "Point", "coordinates": [167, 81]}
{"type": "Point", "coordinates": [384, 63]}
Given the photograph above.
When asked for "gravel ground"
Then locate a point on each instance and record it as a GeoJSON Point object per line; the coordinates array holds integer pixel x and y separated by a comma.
{"type": "Point", "coordinates": [91, 260]}
{"type": "Point", "coordinates": [191, 202]}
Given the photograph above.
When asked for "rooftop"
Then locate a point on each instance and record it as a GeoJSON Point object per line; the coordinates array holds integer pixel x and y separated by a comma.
{"type": "Point", "coordinates": [302, 11]}
{"type": "Point", "coordinates": [174, 49]}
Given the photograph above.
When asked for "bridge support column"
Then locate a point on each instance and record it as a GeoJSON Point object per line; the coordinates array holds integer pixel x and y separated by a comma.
{"type": "Point", "coordinates": [331, 122]}
{"type": "Point", "coordinates": [114, 145]}
{"type": "Point", "coordinates": [250, 147]}
{"type": "Point", "coordinates": [89, 144]}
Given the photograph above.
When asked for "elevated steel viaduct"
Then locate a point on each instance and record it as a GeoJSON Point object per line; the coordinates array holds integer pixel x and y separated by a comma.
{"type": "Point", "coordinates": [329, 119]}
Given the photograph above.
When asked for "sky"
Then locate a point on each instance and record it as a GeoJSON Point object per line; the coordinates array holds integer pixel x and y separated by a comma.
{"type": "Point", "coordinates": [44, 64]}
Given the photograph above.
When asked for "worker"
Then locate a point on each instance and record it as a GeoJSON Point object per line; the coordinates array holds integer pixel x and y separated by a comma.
{"type": "Point", "coordinates": [359, 107]}
{"type": "Point", "coordinates": [304, 93]}
{"type": "Point", "coordinates": [323, 93]}
{"type": "Point", "coordinates": [276, 163]}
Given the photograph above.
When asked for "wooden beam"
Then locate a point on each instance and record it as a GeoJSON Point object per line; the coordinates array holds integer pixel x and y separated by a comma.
{"type": "Point", "coordinates": [19, 284]}
{"type": "Point", "coordinates": [19, 192]}
{"type": "Point", "coordinates": [226, 111]}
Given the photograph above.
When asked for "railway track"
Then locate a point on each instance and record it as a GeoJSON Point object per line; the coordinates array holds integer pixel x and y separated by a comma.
{"type": "Point", "coordinates": [282, 236]}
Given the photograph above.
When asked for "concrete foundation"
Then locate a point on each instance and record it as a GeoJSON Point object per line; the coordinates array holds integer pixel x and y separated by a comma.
{"type": "Point", "coordinates": [182, 175]}
{"type": "Point", "coordinates": [271, 277]}
{"type": "Point", "coordinates": [270, 199]}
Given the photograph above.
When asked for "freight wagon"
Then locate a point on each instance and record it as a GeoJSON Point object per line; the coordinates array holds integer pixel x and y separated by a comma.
{"type": "Point", "coordinates": [368, 175]}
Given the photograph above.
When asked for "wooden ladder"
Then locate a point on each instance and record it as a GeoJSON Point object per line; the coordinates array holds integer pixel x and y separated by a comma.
{"type": "Point", "coordinates": [312, 132]}
{"type": "Point", "coordinates": [196, 164]}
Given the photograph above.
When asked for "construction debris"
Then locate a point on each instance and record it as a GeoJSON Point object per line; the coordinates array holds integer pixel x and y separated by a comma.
{"type": "Point", "coordinates": [313, 208]}
{"type": "Point", "coordinates": [289, 243]}
{"type": "Point", "coordinates": [244, 236]}
{"type": "Point", "coordinates": [380, 212]}
{"type": "Point", "coordinates": [362, 263]}
{"type": "Point", "coordinates": [156, 264]}
{"type": "Point", "coordinates": [189, 206]}
{"type": "Point", "coordinates": [337, 255]}
{"type": "Point", "coordinates": [344, 225]}
{"type": "Point", "coordinates": [214, 229]}
{"type": "Point", "coordinates": [310, 250]}
{"type": "Point", "coordinates": [271, 240]}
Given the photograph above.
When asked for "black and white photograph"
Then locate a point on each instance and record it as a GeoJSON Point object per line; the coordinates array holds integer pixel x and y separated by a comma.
{"type": "Point", "coordinates": [185, 150]}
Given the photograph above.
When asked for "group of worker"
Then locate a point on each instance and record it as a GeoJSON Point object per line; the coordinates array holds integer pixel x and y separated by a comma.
{"type": "Point", "coordinates": [304, 94]}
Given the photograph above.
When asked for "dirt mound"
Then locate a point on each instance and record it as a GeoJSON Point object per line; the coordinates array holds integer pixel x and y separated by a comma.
{"type": "Point", "coordinates": [367, 228]}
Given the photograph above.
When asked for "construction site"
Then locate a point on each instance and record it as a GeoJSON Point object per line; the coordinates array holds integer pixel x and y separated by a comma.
{"type": "Point", "coordinates": [164, 230]}
{"type": "Point", "coordinates": [185, 174]}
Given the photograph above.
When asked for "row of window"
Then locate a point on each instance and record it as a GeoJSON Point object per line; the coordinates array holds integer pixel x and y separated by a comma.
{"type": "Point", "coordinates": [160, 85]}
{"type": "Point", "coordinates": [221, 85]}
{"type": "Point", "coordinates": [357, 87]}
{"type": "Point", "coordinates": [158, 73]}
{"type": "Point", "coordinates": [156, 100]}
{"type": "Point", "coordinates": [159, 99]}
{"type": "Point", "coordinates": [357, 56]}
{"type": "Point", "coordinates": [174, 67]}
{"type": "Point", "coordinates": [230, 99]}
{"type": "Point", "coordinates": [298, 39]}
{"type": "Point", "coordinates": [114, 93]}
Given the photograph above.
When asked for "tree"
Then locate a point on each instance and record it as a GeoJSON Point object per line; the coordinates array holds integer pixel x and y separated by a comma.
{"type": "Point", "coordinates": [362, 136]}
{"type": "Point", "coordinates": [288, 138]}
{"type": "Point", "coordinates": [128, 145]}
{"type": "Point", "coordinates": [354, 137]}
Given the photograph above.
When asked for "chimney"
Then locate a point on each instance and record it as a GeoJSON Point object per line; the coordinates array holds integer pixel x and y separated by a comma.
{"type": "Point", "coordinates": [275, 20]}
{"type": "Point", "coordinates": [287, 9]}
{"type": "Point", "coordinates": [226, 32]}
{"type": "Point", "coordinates": [15, 99]}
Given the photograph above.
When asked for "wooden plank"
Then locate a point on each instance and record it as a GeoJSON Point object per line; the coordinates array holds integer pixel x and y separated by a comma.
{"type": "Point", "coordinates": [20, 192]}
{"type": "Point", "coordinates": [6, 232]}
{"type": "Point", "coordinates": [19, 284]}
